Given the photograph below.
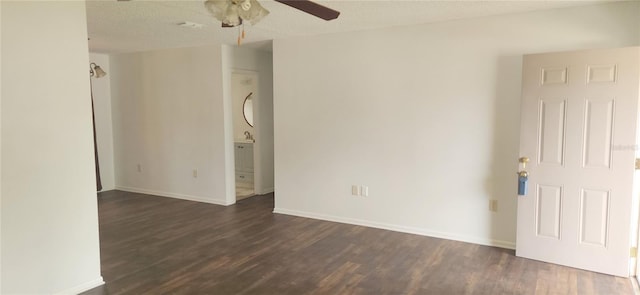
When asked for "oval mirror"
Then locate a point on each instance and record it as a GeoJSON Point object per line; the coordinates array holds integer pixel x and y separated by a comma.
{"type": "Point", "coordinates": [247, 109]}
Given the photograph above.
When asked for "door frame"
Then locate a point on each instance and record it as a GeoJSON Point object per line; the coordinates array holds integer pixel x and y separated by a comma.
{"type": "Point", "coordinates": [257, 163]}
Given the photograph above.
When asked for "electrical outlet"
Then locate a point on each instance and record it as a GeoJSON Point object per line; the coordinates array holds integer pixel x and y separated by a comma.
{"type": "Point", "coordinates": [364, 190]}
{"type": "Point", "coordinates": [139, 168]}
{"type": "Point", "coordinates": [493, 205]}
{"type": "Point", "coordinates": [355, 190]}
{"type": "Point", "coordinates": [195, 173]}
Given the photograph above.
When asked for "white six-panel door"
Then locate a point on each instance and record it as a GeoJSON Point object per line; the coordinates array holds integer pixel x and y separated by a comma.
{"type": "Point", "coordinates": [579, 119]}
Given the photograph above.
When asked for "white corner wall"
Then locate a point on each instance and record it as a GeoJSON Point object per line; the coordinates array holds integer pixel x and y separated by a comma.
{"type": "Point", "coordinates": [169, 118]}
{"type": "Point", "coordinates": [49, 204]}
{"type": "Point", "coordinates": [227, 104]}
{"type": "Point", "coordinates": [247, 59]}
{"type": "Point", "coordinates": [0, 150]}
{"type": "Point", "coordinates": [426, 116]}
{"type": "Point", "coordinates": [104, 131]}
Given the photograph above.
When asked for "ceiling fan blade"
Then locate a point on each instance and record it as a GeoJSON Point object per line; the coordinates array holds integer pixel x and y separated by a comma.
{"type": "Point", "coordinates": [312, 8]}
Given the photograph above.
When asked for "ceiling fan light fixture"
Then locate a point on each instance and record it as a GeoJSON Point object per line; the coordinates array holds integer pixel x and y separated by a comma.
{"type": "Point", "coordinates": [245, 5]}
{"type": "Point", "coordinates": [217, 8]}
{"type": "Point", "coordinates": [231, 16]}
{"type": "Point", "coordinates": [235, 12]}
{"type": "Point", "coordinates": [255, 13]}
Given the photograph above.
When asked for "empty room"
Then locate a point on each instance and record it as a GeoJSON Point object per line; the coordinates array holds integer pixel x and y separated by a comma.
{"type": "Point", "coordinates": [319, 147]}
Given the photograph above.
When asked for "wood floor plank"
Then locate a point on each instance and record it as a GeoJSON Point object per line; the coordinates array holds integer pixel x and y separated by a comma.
{"type": "Point", "coordinates": [156, 245]}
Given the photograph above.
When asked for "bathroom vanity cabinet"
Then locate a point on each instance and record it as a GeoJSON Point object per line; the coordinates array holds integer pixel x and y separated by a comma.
{"type": "Point", "coordinates": [244, 162]}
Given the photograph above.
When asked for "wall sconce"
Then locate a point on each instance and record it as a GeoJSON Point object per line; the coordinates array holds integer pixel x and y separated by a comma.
{"type": "Point", "coordinates": [96, 70]}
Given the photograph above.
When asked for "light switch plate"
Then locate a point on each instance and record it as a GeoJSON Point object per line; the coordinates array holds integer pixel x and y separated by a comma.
{"type": "Point", "coordinates": [355, 190]}
{"type": "Point", "coordinates": [364, 191]}
{"type": "Point", "coordinates": [493, 205]}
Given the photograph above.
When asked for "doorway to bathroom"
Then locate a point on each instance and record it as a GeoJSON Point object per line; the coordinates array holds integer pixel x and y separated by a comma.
{"type": "Point", "coordinates": [244, 92]}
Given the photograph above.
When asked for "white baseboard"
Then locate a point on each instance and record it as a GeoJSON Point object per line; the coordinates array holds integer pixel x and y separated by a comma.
{"type": "Point", "coordinates": [83, 287]}
{"type": "Point", "coordinates": [107, 188]}
{"type": "Point", "coordinates": [400, 228]}
{"type": "Point", "coordinates": [265, 191]}
{"type": "Point", "coordinates": [173, 195]}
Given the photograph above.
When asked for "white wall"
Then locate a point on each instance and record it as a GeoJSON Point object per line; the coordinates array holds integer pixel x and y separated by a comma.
{"type": "Point", "coordinates": [49, 209]}
{"type": "Point", "coordinates": [247, 59]}
{"type": "Point", "coordinates": [104, 131]}
{"type": "Point", "coordinates": [426, 116]}
{"type": "Point", "coordinates": [169, 117]}
{"type": "Point", "coordinates": [227, 102]}
{"type": "Point", "coordinates": [0, 153]}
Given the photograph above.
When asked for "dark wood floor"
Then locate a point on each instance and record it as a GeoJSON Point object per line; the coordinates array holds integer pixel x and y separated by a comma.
{"type": "Point", "coordinates": [156, 245]}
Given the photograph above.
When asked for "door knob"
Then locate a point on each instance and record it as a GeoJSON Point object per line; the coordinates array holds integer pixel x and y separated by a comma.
{"type": "Point", "coordinates": [523, 177]}
{"type": "Point", "coordinates": [524, 161]}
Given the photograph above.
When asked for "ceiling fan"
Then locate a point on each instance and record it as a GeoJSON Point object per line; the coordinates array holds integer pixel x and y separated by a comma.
{"type": "Point", "coordinates": [233, 12]}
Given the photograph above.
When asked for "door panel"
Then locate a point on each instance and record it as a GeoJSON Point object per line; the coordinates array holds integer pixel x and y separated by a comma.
{"type": "Point", "coordinates": [594, 216]}
{"type": "Point", "coordinates": [602, 74]}
{"type": "Point", "coordinates": [551, 126]}
{"type": "Point", "coordinates": [554, 76]}
{"type": "Point", "coordinates": [577, 107]}
{"type": "Point", "coordinates": [598, 131]}
{"type": "Point", "coordinates": [549, 211]}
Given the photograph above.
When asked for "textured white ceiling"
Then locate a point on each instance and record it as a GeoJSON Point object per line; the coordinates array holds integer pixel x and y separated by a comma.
{"type": "Point", "coordinates": [138, 25]}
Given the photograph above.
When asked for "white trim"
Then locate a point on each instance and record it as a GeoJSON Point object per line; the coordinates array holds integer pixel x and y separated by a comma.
{"type": "Point", "coordinates": [173, 195]}
{"type": "Point", "coordinates": [634, 284]}
{"type": "Point", "coordinates": [400, 228]}
{"type": "Point", "coordinates": [83, 287]}
{"type": "Point", "coordinates": [265, 191]}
